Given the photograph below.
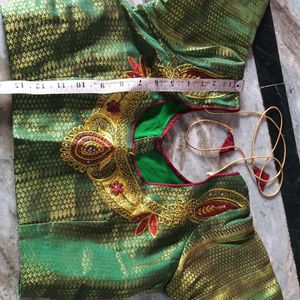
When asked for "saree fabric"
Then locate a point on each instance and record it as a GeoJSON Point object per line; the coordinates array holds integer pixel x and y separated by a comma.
{"type": "Point", "coordinates": [103, 213]}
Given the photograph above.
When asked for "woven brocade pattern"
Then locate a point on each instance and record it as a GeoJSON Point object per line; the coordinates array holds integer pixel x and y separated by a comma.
{"type": "Point", "coordinates": [102, 212]}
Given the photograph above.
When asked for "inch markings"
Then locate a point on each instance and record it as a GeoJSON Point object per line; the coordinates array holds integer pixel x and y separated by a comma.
{"type": "Point", "coordinates": [72, 86]}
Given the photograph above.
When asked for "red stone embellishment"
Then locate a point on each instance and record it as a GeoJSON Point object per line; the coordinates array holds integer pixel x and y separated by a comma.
{"type": "Point", "coordinates": [90, 148]}
{"type": "Point", "coordinates": [228, 144]}
{"type": "Point", "coordinates": [113, 107]}
{"type": "Point", "coordinates": [214, 207]}
{"type": "Point", "coordinates": [146, 220]}
{"type": "Point", "coordinates": [139, 69]}
{"type": "Point", "coordinates": [116, 188]}
{"type": "Point", "coordinates": [262, 175]}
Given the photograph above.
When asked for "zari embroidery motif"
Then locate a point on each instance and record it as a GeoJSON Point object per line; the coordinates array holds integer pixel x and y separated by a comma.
{"type": "Point", "coordinates": [190, 71]}
{"type": "Point", "coordinates": [181, 71]}
{"type": "Point", "coordinates": [105, 156]}
{"type": "Point", "coordinates": [96, 149]}
{"type": "Point", "coordinates": [83, 148]}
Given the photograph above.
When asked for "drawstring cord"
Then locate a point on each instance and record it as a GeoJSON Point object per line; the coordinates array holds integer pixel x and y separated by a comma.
{"type": "Point", "coordinates": [249, 160]}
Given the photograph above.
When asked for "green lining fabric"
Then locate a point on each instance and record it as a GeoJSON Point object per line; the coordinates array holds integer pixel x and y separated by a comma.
{"type": "Point", "coordinates": [154, 168]}
{"type": "Point", "coordinates": [152, 123]}
{"type": "Point", "coordinates": [155, 119]}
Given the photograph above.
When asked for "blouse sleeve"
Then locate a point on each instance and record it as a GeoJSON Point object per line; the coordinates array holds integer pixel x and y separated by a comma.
{"type": "Point", "coordinates": [218, 32]}
{"type": "Point", "coordinates": [224, 259]}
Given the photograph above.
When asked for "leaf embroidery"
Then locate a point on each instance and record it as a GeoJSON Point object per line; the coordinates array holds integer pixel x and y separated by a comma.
{"type": "Point", "coordinates": [214, 207]}
{"type": "Point", "coordinates": [146, 220]}
{"type": "Point", "coordinates": [135, 66]}
{"type": "Point", "coordinates": [141, 227]}
{"type": "Point", "coordinates": [153, 225]}
{"type": "Point", "coordinates": [139, 70]}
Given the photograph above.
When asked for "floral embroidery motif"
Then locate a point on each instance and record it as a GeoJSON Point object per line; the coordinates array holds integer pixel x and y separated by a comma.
{"type": "Point", "coordinates": [139, 69]}
{"type": "Point", "coordinates": [146, 220]}
{"type": "Point", "coordinates": [82, 149]}
{"type": "Point", "coordinates": [113, 107]}
{"type": "Point", "coordinates": [116, 188]}
{"type": "Point", "coordinates": [214, 207]}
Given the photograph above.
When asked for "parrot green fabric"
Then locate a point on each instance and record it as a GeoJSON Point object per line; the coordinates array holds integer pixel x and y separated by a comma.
{"type": "Point", "coordinates": [103, 213]}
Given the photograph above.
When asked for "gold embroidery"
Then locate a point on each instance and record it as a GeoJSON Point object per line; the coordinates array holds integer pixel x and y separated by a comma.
{"type": "Point", "coordinates": [190, 71]}
{"type": "Point", "coordinates": [89, 145]}
{"type": "Point", "coordinates": [181, 71]}
{"type": "Point", "coordinates": [106, 157]}
{"type": "Point", "coordinates": [216, 201]}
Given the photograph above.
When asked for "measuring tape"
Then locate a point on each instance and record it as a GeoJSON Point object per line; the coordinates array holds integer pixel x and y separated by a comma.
{"type": "Point", "coordinates": [72, 86]}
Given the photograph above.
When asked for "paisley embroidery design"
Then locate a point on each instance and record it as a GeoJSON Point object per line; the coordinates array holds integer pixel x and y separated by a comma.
{"type": "Point", "coordinates": [82, 149]}
{"type": "Point", "coordinates": [217, 201]}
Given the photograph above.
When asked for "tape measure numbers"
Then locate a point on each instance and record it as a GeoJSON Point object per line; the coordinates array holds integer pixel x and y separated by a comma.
{"type": "Point", "coordinates": [119, 85]}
